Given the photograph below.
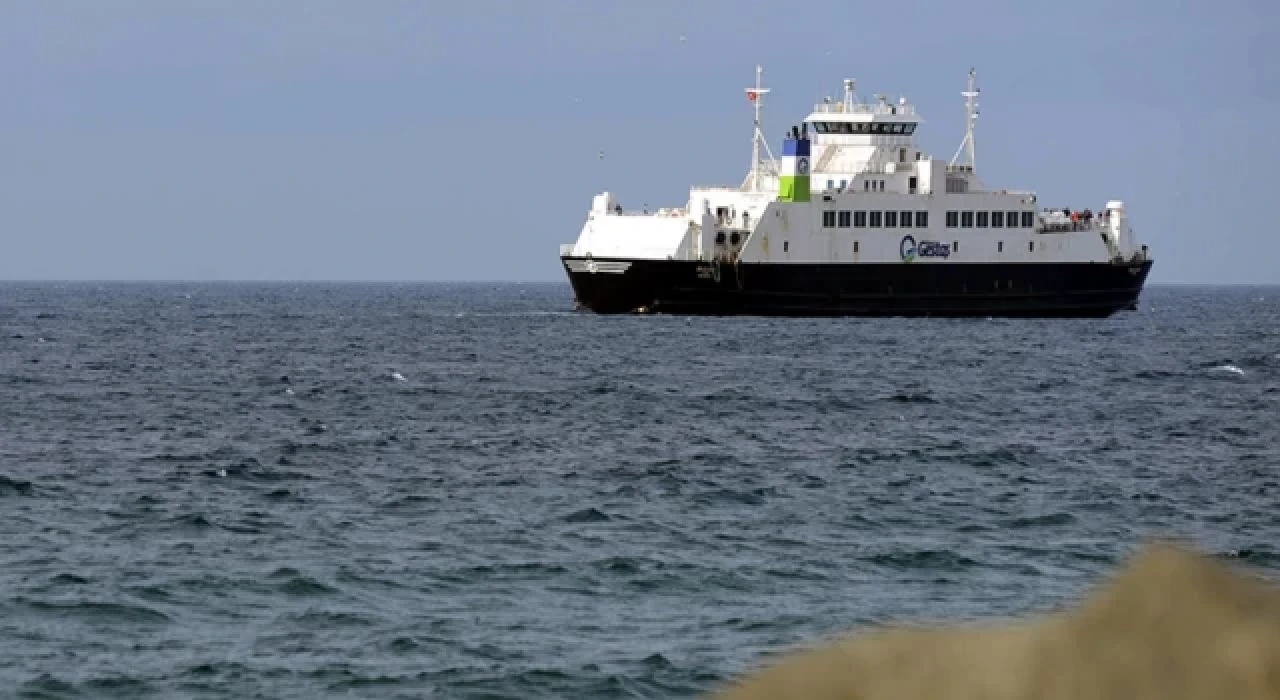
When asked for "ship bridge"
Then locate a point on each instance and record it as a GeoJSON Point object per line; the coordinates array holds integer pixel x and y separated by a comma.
{"type": "Point", "coordinates": [868, 147]}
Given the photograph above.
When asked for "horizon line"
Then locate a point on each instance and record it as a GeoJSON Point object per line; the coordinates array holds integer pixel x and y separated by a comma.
{"type": "Point", "coordinates": [144, 280]}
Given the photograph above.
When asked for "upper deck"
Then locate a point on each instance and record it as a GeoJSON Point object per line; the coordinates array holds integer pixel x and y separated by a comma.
{"type": "Point", "coordinates": [855, 110]}
{"type": "Point", "coordinates": [849, 115]}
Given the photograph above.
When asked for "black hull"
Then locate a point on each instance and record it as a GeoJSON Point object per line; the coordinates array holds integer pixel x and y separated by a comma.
{"type": "Point", "coordinates": [856, 289]}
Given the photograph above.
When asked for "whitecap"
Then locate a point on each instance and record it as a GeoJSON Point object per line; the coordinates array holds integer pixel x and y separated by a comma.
{"type": "Point", "coordinates": [1227, 368]}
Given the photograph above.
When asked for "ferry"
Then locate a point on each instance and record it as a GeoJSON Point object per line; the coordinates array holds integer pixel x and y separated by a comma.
{"type": "Point", "coordinates": [855, 219]}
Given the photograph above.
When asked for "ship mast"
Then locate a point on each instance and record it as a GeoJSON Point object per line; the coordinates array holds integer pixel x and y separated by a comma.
{"type": "Point", "coordinates": [971, 116]}
{"type": "Point", "coordinates": [755, 95]}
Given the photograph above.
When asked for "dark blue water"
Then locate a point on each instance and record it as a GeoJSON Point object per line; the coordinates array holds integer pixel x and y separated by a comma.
{"type": "Point", "coordinates": [235, 491]}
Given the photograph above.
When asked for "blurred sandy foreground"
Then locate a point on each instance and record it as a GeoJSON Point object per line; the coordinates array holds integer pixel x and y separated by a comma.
{"type": "Point", "coordinates": [1171, 625]}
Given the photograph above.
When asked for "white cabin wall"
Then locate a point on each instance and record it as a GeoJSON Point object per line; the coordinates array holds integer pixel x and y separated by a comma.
{"type": "Point", "coordinates": [706, 236]}
{"type": "Point", "coordinates": [737, 201]}
{"type": "Point", "coordinates": [793, 232]}
{"type": "Point", "coordinates": [632, 236]}
{"type": "Point", "coordinates": [933, 176]}
{"type": "Point", "coordinates": [883, 246]}
{"type": "Point", "coordinates": [786, 232]}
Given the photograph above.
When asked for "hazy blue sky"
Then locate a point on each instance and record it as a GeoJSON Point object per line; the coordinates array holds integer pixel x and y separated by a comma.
{"type": "Point", "coordinates": [422, 140]}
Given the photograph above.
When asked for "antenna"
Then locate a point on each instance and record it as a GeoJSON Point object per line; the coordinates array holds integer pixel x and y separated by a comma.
{"type": "Point", "coordinates": [755, 95]}
{"type": "Point", "coordinates": [971, 116]}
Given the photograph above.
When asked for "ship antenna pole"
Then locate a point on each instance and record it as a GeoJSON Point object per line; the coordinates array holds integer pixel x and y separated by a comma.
{"type": "Point", "coordinates": [755, 94]}
{"type": "Point", "coordinates": [971, 116]}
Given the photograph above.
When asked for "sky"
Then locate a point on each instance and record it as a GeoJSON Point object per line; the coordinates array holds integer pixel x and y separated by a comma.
{"type": "Point", "coordinates": [432, 140]}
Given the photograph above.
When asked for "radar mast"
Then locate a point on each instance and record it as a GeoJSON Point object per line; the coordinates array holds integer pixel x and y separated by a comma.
{"type": "Point", "coordinates": [971, 117]}
{"type": "Point", "coordinates": [756, 95]}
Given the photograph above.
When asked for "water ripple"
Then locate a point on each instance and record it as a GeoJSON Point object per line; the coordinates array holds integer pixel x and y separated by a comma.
{"type": "Point", "coordinates": [225, 491]}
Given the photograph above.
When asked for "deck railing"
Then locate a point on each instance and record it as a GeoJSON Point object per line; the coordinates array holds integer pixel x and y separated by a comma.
{"type": "Point", "coordinates": [842, 108]}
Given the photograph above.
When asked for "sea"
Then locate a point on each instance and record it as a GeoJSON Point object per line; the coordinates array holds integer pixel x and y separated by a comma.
{"type": "Point", "coordinates": [473, 491]}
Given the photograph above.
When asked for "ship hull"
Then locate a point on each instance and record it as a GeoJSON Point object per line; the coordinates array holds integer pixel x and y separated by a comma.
{"type": "Point", "coordinates": [855, 289]}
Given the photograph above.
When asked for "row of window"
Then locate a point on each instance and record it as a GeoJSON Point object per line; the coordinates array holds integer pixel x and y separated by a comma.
{"type": "Point", "coordinates": [993, 219]}
{"type": "Point", "coordinates": [955, 246]}
{"type": "Point", "coordinates": [920, 219]}
{"type": "Point", "coordinates": [875, 219]}
{"type": "Point", "coordinates": [867, 185]}
{"type": "Point", "coordinates": [863, 128]}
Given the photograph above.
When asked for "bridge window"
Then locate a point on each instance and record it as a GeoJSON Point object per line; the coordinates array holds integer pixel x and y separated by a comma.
{"type": "Point", "coordinates": [997, 219]}
{"type": "Point", "coordinates": [953, 219]}
{"type": "Point", "coordinates": [1011, 219]}
{"type": "Point", "coordinates": [982, 219]}
{"type": "Point", "coordinates": [905, 218]}
{"type": "Point", "coordinates": [844, 219]}
{"type": "Point", "coordinates": [1028, 219]}
{"type": "Point", "coordinates": [859, 219]}
{"type": "Point", "coordinates": [831, 185]}
{"type": "Point", "coordinates": [828, 219]}
{"type": "Point", "coordinates": [891, 219]}
{"type": "Point", "coordinates": [922, 219]}
{"type": "Point", "coordinates": [862, 128]}
{"type": "Point", "coordinates": [875, 219]}
{"type": "Point", "coordinates": [966, 219]}
{"type": "Point", "coordinates": [843, 185]}
{"type": "Point", "coordinates": [905, 128]}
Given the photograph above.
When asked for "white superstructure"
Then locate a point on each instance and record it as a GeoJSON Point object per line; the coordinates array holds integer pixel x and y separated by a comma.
{"type": "Point", "coordinates": [874, 196]}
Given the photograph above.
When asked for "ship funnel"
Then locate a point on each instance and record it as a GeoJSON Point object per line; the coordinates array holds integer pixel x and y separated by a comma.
{"type": "Point", "coordinates": [793, 171]}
